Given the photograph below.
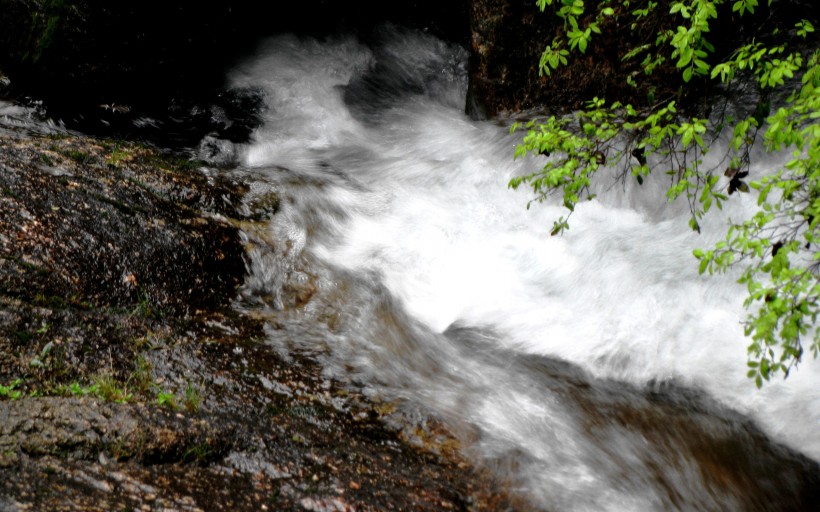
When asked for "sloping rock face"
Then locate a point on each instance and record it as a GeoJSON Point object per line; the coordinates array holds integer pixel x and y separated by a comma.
{"type": "Point", "coordinates": [116, 236]}
{"type": "Point", "coordinates": [128, 381]}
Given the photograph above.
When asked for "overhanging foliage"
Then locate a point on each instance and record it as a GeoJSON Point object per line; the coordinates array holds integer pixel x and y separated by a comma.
{"type": "Point", "coordinates": [777, 248]}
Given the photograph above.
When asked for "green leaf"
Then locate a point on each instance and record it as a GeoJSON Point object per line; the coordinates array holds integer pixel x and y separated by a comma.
{"type": "Point", "coordinates": [685, 57]}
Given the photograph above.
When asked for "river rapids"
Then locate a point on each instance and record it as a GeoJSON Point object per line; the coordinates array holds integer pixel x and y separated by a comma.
{"type": "Point", "coordinates": [590, 371]}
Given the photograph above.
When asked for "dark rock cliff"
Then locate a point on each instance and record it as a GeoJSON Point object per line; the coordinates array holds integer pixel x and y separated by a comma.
{"type": "Point", "coordinates": [97, 59]}
{"type": "Point", "coordinates": [508, 37]}
{"type": "Point", "coordinates": [88, 57]}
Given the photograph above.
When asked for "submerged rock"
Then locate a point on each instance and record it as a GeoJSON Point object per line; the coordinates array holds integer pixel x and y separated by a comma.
{"type": "Point", "coordinates": [217, 152]}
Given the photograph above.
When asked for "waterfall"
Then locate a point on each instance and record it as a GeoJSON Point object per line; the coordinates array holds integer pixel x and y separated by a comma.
{"type": "Point", "coordinates": [592, 371]}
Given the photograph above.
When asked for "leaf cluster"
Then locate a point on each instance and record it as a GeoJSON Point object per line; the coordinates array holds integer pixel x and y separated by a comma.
{"type": "Point", "coordinates": [777, 248]}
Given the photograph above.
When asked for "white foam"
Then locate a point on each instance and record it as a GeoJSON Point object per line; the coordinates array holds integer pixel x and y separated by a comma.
{"type": "Point", "coordinates": [428, 212]}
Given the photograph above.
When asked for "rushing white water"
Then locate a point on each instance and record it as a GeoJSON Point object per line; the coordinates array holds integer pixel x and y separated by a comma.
{"type": "Point", "coordinates": [17, 121]}
{"type": "Point", "coordinates": [452, 295]}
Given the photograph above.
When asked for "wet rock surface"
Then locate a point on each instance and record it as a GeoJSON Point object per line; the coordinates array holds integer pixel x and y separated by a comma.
{"type": "Point", "coordinates": [127, 380]}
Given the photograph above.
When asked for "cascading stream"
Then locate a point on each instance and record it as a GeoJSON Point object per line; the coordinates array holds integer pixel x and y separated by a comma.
{"type": "Point", "coordinates": [594, 371]}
